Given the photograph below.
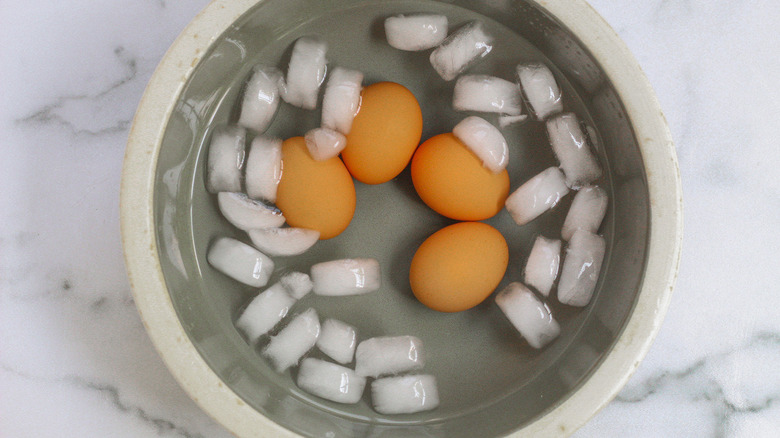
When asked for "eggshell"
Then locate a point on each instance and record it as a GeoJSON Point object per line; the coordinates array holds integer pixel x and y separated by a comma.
{"type": "Point", "coordinates": [452, 180]}
{"type": "Point", "coordinates": [459, 266]}
{"type": "Point", "coordinates": [384, 134]}
{"type": "Point", "coordinates": [318, 195]}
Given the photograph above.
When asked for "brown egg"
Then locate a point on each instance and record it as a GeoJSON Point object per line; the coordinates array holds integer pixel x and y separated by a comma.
{"type": "Point", "coordinates": [452, 181]}
{"type": "Point", "coordinates": [318, 195]}
{"type": "Point", "coordinates": [459, 266]}
{"type": "Point", "coordinates": [384, 134]}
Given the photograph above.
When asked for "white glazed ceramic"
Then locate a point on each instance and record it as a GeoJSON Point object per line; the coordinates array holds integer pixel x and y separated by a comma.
{"type": "Point", "coordinates": [216, 398]}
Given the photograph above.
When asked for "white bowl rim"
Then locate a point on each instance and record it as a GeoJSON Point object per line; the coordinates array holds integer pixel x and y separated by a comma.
{"type": "Point", "coordinates": [224, 405]}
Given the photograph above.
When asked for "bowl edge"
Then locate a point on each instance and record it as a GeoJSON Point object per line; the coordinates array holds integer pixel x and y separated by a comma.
{"type": "Point", "coordinates": [219, 401]}
{"type": "Point", "coordinates": [138, 236]}
{"type": "Point", "coordinates": [666, 220]}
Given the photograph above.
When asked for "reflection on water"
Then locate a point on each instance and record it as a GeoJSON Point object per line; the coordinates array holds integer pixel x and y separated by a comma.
{"type": "Point", "coordinates": [429, 430]}
{"type": "Point", "coordinates": [572, 59]}
{"type": "Point", "coordinates": [168, 233]}
{"type": "Point", "coordinates": [623, 151]}
{"type": "Point", "coordinates": [580, 360]}
{"type": "Point", "coordinates": [629, 252]}
{"type": "Point", "coordinates": [293, 411]}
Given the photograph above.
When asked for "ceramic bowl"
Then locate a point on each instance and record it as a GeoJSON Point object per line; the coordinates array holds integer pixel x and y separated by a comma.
{"type": "Point", "coordinates": [491, 383]}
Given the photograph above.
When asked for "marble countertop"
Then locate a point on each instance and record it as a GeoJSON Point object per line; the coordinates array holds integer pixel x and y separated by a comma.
{"type": "Point", "coordinates": [75, 360]}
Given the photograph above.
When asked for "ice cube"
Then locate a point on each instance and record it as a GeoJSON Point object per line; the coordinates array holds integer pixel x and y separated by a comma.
{"type": "Point", "coordinates": [389, 355]}
{"type": "Point", "coordinates": [324, 143]}
{"type": "Point", "coordinates": [338, 340]}
{"type": "Point", "coordinates": [531, 317]}
{"type": "Point", "coordinates": [342, 99]}
{"type": "Point", "coordinates": [226, 159]}
{"type": "Point", "coordinates": [261, 99]}
{"type": "Point", "coordinates": [485, 141]}
{"type": "Point", "coordinates": [264, 312]}
{"type": "Point", "coordinates": [264, 168]}
{"type": "Point", "coordinates": [330, 381]}
{"type": "Point", "coordinates": [246, 214]}
{"type": "Point", "coordinates": [504, 121]}
{"type": "Point", "coordinates": [415, 32]}
{"type": "Point", "coordinates": [240, 261]}
{"type": "Point", "coordinates": [297, 284]}
{"type": "Point", "coordinates": [460, 50]}
{"type": "Point", "coordinates": [571, 147]}
{"type": "Point", "coordinates": [346, 277]}
{"type": "Point", "coordinates": [283, 241]}
{"type": "Point", "coordinates": [541, 90]}
{"type": "Point", "coordinates": [289, 345]}
{"type": "Point", "coordinates": [404, 394]}
{"type": "Point", "coordinates": [305, 73]}
{"type": "Point", "coordinates": [581, 268]}
{"type": "Point", "coordinates": [537, 195]}
{"type": "Point", "coordinates": [487, 94]}
{"type": "Point", "coordinates": [586, 212]}
{"type": "Point", "coordinates": [541, 270]}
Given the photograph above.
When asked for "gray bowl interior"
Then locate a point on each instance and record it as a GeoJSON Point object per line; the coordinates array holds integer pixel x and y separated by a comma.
{"type": "Point", "coordinates": [490, 381]}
